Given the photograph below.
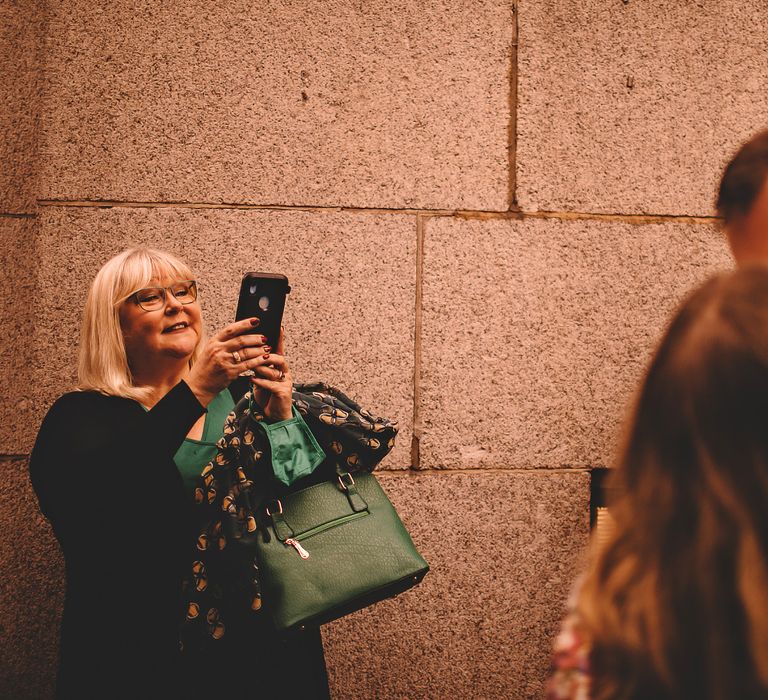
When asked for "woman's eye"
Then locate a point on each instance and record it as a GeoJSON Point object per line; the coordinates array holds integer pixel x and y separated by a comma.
{"type": "Point", "coordinates": [148, 298]}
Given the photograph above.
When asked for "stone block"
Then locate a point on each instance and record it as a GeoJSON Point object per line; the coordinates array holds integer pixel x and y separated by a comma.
{"type": "Point", "coordinates": [635, 107]}
{"type": "Point", "coordinates": [19, 394]}
{"type": "Point", "coordinates": [349, 318]}
{"type": "Point", "coordinates": [348, 103]}
{"type": "Point", "coordinates": [504, 549]}
{"type": "Point", "coordinates": [20, 62]}
{"type": "Point", "coordinates": [31, 589]}
{"type": "Point", "coordinates": [535, 333]}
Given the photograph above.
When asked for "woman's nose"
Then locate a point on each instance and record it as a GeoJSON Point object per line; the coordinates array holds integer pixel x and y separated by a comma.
{"type": "Point", "coordinates": [172, 304]}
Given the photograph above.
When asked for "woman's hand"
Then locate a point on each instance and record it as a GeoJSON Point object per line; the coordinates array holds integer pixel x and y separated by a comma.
{"type": "Point", "coordinates": [226, 356]}
{"type": "Point", "coordinates": [273, 384]}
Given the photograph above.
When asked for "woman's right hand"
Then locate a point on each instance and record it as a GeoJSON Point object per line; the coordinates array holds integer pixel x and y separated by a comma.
{"type": "Point", "coordinates": [228, 354]}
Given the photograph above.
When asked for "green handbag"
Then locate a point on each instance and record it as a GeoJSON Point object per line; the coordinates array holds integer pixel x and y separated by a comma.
{"type": "Point", "coordinates": [331, 549]}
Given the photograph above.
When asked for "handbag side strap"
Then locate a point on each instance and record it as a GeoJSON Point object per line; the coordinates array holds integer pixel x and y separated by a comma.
{"type": "Point", "coordinates": [282, 528]}
{"type": "Point", "coordinates": [347, 484]}
{"type": "Point", "coordinates": [274, 507]}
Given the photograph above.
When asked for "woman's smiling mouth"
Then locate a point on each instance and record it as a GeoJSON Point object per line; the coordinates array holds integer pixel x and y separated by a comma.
{"type": "Point", "coordinates": [176, 327]}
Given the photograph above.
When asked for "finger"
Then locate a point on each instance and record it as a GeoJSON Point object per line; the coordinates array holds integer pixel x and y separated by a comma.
{"type": "Point", "coordinates": [268, 358]}
{"type": "Point", "coordinates": [271, 386]}
{"type": "Point", "coordinates": [237, 328]}
{"type": "Point", "coordinates": [260, 395]}
{"type": "Point", "coordinates": [248, 340]}
{"type": "Point", "coordinates": [234, 356]}
{"type": "Point", "coordinates": [281, 342]}
{"type": "Point", "coordinates": [239, 357]}
{"type": "Point", "coordinates": [273, 373]}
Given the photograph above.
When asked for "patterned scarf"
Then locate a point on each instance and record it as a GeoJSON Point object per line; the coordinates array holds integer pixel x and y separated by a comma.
{"type": "Point", "coordinates": [222, 587]}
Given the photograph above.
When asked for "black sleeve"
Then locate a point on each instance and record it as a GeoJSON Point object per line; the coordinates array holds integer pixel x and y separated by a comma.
{"type": "Point", "coordinates": [102, 462]}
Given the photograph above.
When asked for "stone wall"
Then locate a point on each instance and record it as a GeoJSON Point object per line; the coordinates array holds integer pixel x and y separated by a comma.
{"type": "Point", "coordinates": [486, 209]}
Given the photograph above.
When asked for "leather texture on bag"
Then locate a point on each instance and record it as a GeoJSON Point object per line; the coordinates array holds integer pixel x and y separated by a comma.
{"type": "Point", "coordinates": [223, 580]}
{"type": "Point", "coordinates": [354, 558]}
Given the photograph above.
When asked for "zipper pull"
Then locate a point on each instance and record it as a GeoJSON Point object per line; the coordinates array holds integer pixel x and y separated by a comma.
{"type": "Point", "coordinates": [303, 553]}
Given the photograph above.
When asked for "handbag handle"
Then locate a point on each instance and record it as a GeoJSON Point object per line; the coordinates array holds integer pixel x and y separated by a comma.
{"type": "Point", "coordinates": [346, 482]}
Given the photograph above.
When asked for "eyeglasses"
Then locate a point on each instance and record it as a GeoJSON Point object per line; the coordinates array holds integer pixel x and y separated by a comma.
{"type": "Point", "coordinates": [153, 298]}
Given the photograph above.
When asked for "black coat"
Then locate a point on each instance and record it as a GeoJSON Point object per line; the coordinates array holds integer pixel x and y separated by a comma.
{"type": "Point", "coordinates": [103, 471]}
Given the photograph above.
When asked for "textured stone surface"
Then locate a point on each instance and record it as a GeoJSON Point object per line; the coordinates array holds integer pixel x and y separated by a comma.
{"type": "Point", "coordinates": [31, 589]}
{"type": "Point", "coordinates": [18, 299]}
{"type": "Point", "coordinates": [349, 317]}
{"type": "Point", "coordinates": [588, 141]}
{"type": "Point", "coordinates": [342, 103]}
{"type": "Point", "coordinates": [504, 549]}
{"type": "Point", "coordinates": [20, 36]}
{"type": "Point", "coordinates": [535, 333]}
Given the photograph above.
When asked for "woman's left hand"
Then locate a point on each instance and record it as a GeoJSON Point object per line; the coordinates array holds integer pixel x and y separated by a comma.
{"type": "Point", "coordinates": [273, 384]}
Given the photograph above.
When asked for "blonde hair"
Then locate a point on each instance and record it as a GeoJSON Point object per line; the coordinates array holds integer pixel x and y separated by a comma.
{"type": "Point", "coordinates": [103, 363]}
{"type": "Point", "coordinates": [674, 602]}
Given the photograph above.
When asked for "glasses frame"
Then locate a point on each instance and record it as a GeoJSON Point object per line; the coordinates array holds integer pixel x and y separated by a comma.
{"type": "Point", "coordinates": [164, 295]}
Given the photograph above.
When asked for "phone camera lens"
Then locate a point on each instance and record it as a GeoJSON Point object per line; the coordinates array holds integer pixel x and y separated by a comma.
{"type": "Point", "coordinates": [252, 288]}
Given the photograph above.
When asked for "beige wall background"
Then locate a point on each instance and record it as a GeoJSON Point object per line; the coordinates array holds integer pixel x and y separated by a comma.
{"type": "Point", "coordinates": [487, 210]}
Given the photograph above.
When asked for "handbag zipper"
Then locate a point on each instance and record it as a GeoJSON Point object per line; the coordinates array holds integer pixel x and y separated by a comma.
{"type": "Point", "coordinates": [303, 553]}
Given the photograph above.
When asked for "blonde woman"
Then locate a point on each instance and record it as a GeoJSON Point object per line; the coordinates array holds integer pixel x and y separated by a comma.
{"type": "Point", "coordinates": [675, 604]}
{"type": "Point", "coordinates": [114, 467]}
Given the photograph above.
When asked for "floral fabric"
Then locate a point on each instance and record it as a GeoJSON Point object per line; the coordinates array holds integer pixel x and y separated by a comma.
{"type": "Point", "coordinates": [571, 679]}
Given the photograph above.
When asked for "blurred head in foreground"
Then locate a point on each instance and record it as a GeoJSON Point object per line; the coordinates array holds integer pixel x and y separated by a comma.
{"type": "Point", "coordinates": [675, 603]}
{"type": "Point", "coordinates": [742, 201]}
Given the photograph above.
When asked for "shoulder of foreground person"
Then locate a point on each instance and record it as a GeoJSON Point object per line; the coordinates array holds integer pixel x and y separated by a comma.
{"type": "Point", "coordinates": [571, 678]}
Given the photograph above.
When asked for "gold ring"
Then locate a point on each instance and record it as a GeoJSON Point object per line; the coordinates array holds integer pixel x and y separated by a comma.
{"type": "Point", "coordinates": [281, 377]}
{"type": "Point", "coordinates": [236, 357]}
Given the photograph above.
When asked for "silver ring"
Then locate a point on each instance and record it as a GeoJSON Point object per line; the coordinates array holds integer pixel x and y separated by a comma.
{"type": "Point", "coordinates": [281, 377]}
{"type": "Point", "coordinates": [236, 357]}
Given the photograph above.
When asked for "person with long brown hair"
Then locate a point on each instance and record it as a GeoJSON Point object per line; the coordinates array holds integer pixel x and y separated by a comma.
{"type": "Point", "coordinates": [674, 603]}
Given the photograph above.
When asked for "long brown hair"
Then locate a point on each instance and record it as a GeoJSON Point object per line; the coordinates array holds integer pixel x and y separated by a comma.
{"type": "Point", "coordinates": [675, 602]}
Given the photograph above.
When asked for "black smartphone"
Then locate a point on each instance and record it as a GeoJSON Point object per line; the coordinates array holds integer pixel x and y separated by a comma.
{"type": "Point", "coordinates": [263, 295]}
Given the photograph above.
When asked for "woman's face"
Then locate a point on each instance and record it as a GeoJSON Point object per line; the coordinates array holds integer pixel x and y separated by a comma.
{"type": "Point", "coordinates": [171, 332]}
